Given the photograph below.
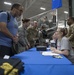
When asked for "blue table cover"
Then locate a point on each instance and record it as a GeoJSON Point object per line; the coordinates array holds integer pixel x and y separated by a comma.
{"type": "Point", "coordinates": [37, 64]}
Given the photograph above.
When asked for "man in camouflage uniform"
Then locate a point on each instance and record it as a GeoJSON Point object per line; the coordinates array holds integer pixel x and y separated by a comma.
{"type": "Point", "coordinates": [23, 41]}
{"type": "Point", "coordinates": [43, 35]}
{"type": "Point", "coordinates": [32, 34]}
{"type": "Point", "coordinates": [70, 34]}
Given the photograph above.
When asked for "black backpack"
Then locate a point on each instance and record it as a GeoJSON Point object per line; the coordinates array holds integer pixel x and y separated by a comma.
{"type": "Point", "coordinates": [8, 65]}
{"type": "Point", "coordinates": [8, 15]}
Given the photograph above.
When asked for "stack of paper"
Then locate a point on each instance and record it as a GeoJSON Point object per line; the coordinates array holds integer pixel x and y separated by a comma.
{"type": "Point", "coordinates": [49, 53]}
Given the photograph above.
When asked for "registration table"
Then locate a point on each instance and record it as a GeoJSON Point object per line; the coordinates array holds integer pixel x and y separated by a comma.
{"type": "Point", "coordinates": [37, 64]}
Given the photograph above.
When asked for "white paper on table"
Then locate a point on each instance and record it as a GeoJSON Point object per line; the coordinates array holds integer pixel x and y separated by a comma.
{"type": "Point", "coordinates": [49, 53]}
{"type": "Point", "coordinates": [48, 48]}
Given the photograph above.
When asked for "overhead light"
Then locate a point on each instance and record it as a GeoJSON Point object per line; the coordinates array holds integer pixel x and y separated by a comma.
{"type": "Point", "coordinates": [7, 3]}
{"type": "Point", "coordinates": [66, 12]}
{"type": "Point", "coordinates": [42, 8]}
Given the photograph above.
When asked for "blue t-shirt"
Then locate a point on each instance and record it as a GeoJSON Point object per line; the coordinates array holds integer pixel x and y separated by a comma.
{"type": "Point", "coordinates": [12, 26]}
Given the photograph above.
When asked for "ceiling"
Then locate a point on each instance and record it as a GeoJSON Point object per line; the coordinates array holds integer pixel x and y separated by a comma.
{"type": "Point", "coordinates": [7, 7]}
{"type": "Point", "coordinates": [34, 8]}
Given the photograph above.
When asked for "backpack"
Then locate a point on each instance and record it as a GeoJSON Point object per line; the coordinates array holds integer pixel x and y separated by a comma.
{"type": "Point", "coordinates": [10, 67]}
{"type": "Point", "coordinates": [8, 16]}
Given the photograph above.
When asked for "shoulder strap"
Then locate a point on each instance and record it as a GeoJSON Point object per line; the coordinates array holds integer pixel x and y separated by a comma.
{"type": "Point", "coordinates": [8, 17]}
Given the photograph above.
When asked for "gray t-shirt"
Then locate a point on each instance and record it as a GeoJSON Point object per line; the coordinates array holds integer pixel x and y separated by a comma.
{"type": "Point", "coordinates": [63, 44]}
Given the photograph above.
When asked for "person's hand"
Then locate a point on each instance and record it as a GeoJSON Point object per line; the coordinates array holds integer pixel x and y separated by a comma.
{"type": "Point", "coordinates": [52, 48]}
{"type": "Point", "coordinates": [29, 45]}
{"type": "Point", "coordinates": [15, 39]}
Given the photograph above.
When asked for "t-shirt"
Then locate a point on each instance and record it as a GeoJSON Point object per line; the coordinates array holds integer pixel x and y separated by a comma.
{"type": "Point", "coordinates": [12, 26]}
{"type": "Point", "coordinates": [63, 44]}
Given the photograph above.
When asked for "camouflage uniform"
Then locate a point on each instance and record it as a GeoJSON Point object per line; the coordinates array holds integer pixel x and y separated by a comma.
{"type": "Point", "coordinates": [32, 35]}
{"type": "Point", "coordinates": [70, 35]}
{"type": "Point", "coordinates": [42, 35]}
{"type": "Point", "coordinates": [23, 42]}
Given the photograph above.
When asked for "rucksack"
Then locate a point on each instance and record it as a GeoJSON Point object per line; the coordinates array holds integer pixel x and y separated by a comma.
{"type": "Point", "coordinates": [8, 15]}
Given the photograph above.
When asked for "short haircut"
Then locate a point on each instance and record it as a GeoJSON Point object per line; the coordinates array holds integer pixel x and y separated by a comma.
{"type": "Point", "coordinates": [15, 6]}
{"type": "Point", "coordinates": [25, 20]}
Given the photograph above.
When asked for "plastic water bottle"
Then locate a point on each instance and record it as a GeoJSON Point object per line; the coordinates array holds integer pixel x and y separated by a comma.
{"type": "Point", "coordinates": [52, 43]}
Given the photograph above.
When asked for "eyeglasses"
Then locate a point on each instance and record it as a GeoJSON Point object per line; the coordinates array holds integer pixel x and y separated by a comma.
{"type": "Point", "coordinates": [20, 10]}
